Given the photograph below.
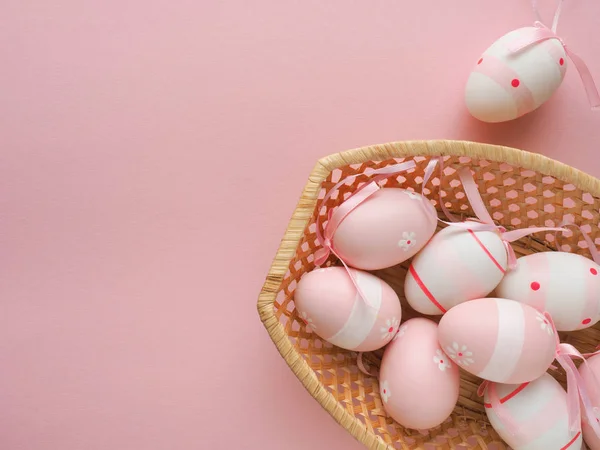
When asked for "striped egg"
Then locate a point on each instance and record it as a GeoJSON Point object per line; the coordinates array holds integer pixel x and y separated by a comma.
{"type": "Point", "coordinates": [590, 373]}
{"type": "Point", "coordinates": [498, 340]}
{"type": "Point", "coordinates": [388, 228]}
{"type": "Point", "coordinates": [565, 284]}
{"type": "Point", "coordinates": [330, 305]}
{"type": "Point", "coordinates": [418, 383]}
{"type": "Point", "coordinates": [505, 85]}
{"type": "Point", "coordinates": [455, 266]}
{"type": "Point", "coordinates": [539, 411]}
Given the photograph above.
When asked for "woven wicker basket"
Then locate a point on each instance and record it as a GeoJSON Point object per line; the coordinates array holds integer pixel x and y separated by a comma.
{"type": "Point", "coordinates": [521, 189]}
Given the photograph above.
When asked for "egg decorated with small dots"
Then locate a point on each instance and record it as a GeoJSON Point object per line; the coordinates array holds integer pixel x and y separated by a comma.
{"type": "Point", "coordinates": [418, 382]}
{"type": "Point", "coordinates": [330, 306]}
{"type": "Point", "coordinates": [455, 266]}
{"type": "Point", "coordinates": [566, 285]}
{"type": "Point", "coordinates": [505, 85]}
{"type": "Point", "coordinates": [590, 374]}
{"type": "Point", "coordinates": [388, 228]}
{"type": "Point", "coordinates": [498, 340]}
{"type": "Point", "coordinates": [538, 410]}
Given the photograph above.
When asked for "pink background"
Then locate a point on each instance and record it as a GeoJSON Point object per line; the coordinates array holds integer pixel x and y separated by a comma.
{"type": "Point", "coordinates": [151, 153]}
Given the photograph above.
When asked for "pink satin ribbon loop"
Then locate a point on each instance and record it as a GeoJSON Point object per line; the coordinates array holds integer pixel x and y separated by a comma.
{"type": "Point", "coordinates": [541, 33]}
{"type": "Point", "coordinates": [484, 221]}
{"type": "Point", "coordinates": [588, 240]}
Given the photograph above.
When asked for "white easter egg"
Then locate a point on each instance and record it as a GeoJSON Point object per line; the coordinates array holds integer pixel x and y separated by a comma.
{"type": "Point", "coordinates": [418, 383]}
{"type": "Point", "coordinates": [330, 305]}
{"type": "Point", "coordinates": [388, 228]}
{"type": "Point", "coordinates": [505, 85]}
{"type": "Point", "coordinates": [565, 284]}
{"type": "Point", "coordinates": [455, 266]}
{"type": "Point", "coordinates": [498, 340]}
{"type": "Point", "coordinates": [539, 410]}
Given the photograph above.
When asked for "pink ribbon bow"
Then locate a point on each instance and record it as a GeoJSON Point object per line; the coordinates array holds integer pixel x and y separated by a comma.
{"type": "Point", "coordinates": [485, 221]}
{"type": "Point", "coordinates": [541, 33]}
{"type": "Point", "coordinates": [577, 395]}
{"type": "Point", "coordinates": [335, 218]}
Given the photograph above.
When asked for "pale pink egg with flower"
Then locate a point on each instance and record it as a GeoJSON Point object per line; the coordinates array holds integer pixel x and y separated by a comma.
{"type": "Point", "coordinates": [498, 340]}
{"type": "Point", "coordinates": [539, 412]}
{"type": "Point", "coordinates": [331, 307]}
{"type": "Point", "coordinates": [455, 266]}
{"type": "Point", "coordinates": [419, 383]}
{"type": "Point", "coordinates": [566, 285]}
{"type": "Point", "coordinates": [505, 85]}
{"type": "Point", "coordinates": [388, 228]}
{"type": "Point", "coordinates": [590, 373]}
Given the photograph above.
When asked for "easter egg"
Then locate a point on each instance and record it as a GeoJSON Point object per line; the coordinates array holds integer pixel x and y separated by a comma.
{"type": "Point", "coordinates": [565, 284]}
{"type": "Point", "coordinates": [331, 306]}
{"type": "Point", "coordinates": [590, 373]}
{"type": "Point", "coordinates": [506, 85]}
{"type": "Point", "coordinates": [498, 340]}
{"type": "Point", "coordinates": [388, 228]}
{"type": "Point", "coordinates": [418, 383]}
{"type": "Point", "coordinates": [455, 266]}
{"type": "Point", "coordinates": [540, 412]}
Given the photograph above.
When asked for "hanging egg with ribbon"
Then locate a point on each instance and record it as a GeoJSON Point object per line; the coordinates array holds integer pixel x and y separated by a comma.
{"type": "Point", "coordinates": [464, 261]}
{"type": "Point", "coordinates": [378, 227]}
{"type": "Point", "coordinates": [522, 70]}
{"type": "Point", "coordinates": [567, 285]}
{"type": "Point", "coordinates": [358, 312]}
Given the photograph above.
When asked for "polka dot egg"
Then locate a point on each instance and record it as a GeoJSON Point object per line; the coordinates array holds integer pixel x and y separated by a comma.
{"type": "Point", "coordinates": [567, 285]}
{"type": "Point", "coordinates": [331, 306]}
{"type": "Point", "coordinates": [505, 85]}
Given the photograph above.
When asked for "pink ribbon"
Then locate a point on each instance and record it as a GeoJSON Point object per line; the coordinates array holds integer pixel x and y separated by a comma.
{"type": "Point", "coordinates": [541, 33]}
{"type": "Point", "coordinates": [591, 245]}
{"type": "Point", "coordinates": [485, 221]}
{"type": "Point", "coordinates": [577, 394]}
{"type": "Point", "coordinates": [360, 196]}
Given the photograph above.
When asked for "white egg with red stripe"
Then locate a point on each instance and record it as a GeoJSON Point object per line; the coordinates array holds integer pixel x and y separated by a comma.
{"type": "Point", "coordinates": [566, 285]}
{"type": "Point", "coordinates": [590, 374]}
{"type": "Point", "coordinates": [498, 340]}
{"type": "Point", "coordinates": [331, 306]}
{"type": "Point", "coordinates": [506, 85]}
{"type": "Point", "coordinates": [540, 412]}
{"type": "Point", "coordinates": [455, 266]}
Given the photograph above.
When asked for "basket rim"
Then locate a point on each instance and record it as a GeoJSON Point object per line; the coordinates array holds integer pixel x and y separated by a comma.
{"type": "Point", "coordinates": [305, 208]}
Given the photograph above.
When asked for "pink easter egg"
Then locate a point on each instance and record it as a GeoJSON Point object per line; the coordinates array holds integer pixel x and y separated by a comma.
{"type": "Point", "coordinates": [540, 412]}
{"type": "Point", "coordinates": [455, 266]}
{"type": "Point", "coordinates": [590, 373]}
{"type": "Point", "coordinates": [564, 284]}
{"type": "Point", "coordinates": [505, 85]}
{"type": "Point", "coordinates": [330, 305]}
{"type": "Point", "coordinates": [418, 383]}
{"type": "Point", "coordinates": [387, 229]}
{"type": "Point", "coordinates": [498, 340]}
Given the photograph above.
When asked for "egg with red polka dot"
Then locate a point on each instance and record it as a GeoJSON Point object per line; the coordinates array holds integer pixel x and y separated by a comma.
{"type": "Point", "coordinates": [566, 285]}
{"type": "Point", "coordinates": [504, 85]}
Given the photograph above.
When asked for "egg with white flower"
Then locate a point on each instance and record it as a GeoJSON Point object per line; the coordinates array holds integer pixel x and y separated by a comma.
{"type": "Point", "coordinates": [455, 266]}
{"type": "Point", "coordinates": [419, 383]}
{"type": "Point", "coordinates": [498, 340]}
{"type": "Point", "coordinates": [330, 305]}
{"type": "Point", "coordinates": [388, 228]}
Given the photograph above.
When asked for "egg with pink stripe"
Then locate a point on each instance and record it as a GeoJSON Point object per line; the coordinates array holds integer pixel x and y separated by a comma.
{"type": "Point", "coordinates": [505, 85]}
{"type": "Point", "coordinates": [566, 285]}
{"type": "Point", "coordinates": [455, 266]}
{"type": "Point", "coordinates": [330, 306]}
{"type": "Point", "coordinates": [498, 340]}
{"type": "Point", "coordinates": [590, 373]}
{"type": "Point", "coordinates": [538, 409]}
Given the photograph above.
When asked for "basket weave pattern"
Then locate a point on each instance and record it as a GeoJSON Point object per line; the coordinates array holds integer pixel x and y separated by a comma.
{"type": "Point", "coordinates": [520, 190]}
